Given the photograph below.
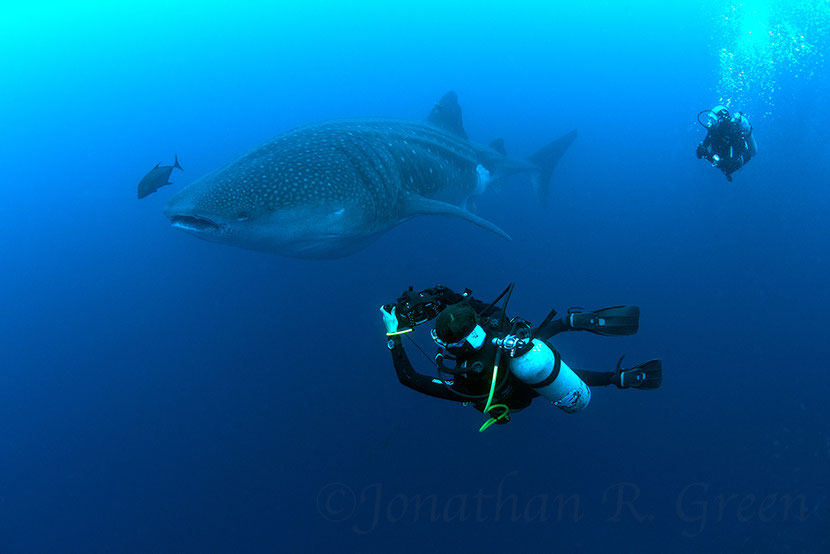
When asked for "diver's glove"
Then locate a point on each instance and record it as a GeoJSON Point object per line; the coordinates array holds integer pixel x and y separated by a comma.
{"type": "Point", "coordinates": [390, 321]}
{"type": "Point", "coordinates": [700, 151]}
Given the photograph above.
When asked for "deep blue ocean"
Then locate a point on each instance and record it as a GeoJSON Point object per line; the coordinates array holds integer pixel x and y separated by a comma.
{"type": "Point", "coordinates": [159, 393]}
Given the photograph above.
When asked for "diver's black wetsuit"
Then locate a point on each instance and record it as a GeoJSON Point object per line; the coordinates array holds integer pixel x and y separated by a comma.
{"type": "Point", "coordinates": [725, 139]}
{"type": "Point", "coordinates": [514, 393]}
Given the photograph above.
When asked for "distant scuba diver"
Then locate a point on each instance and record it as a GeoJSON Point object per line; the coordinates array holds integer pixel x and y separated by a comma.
{"type": "Point", "coordinates": [501, 364]}
{"type": "Point", "coordinates": [729, 143]}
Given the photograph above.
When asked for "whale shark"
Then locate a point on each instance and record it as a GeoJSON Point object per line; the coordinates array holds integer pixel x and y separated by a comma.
{"type": "Point", "coordinates": [328, 189]}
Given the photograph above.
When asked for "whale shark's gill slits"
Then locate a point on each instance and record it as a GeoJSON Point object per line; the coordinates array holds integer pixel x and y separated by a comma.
{"type": "Point", "coordinates": [443, 144]}
{"type": "Point", "coordinates": [432, 162]}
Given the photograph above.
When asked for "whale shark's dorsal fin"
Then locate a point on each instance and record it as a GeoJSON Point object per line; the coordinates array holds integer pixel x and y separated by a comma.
{"type": "Point", "coordinates": [446, 114]}
{"type": "Point", "coordinates": [498, 146]}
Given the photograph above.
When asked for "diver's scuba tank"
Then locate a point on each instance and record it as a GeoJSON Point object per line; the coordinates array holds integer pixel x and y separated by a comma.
{"type": "Point", "coordinates": [542, 368]}
{"type": "Point", "coordinates": [539, 365]}
{"type": "Point", "coordinates": [740, 120]}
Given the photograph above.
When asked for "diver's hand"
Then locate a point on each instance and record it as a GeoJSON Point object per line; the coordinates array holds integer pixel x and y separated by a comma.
{"type": "Point", "coordinates": [700, 151]}
{"type": "Point", "coordinates": [390, 321]}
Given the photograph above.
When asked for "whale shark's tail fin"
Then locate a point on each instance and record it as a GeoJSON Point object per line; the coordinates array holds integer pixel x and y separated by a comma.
{"type": "Point", "coordinates": [546, 160]}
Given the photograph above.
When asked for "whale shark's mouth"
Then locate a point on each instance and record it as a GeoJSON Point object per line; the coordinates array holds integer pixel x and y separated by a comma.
{"type": "Point", "coordinates": [193, 223]}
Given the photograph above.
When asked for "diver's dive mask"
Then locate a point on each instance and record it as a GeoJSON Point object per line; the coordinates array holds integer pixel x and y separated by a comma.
{"type": "Point", "coordinates": [465, 346]}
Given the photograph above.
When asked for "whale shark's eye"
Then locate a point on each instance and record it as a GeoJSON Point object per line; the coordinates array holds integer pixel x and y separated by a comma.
{"type": "Point", "coordinates": [242, 216]}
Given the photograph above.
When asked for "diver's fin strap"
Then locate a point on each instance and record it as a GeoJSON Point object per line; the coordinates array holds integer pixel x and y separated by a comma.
{"type": "Point", "coordinates": [613, 321]}
{"type": "Point", "coordinates": [647, 375]}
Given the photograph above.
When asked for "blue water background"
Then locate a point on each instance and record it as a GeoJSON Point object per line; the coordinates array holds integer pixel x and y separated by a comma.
{"type": "Point", "coordinates": [160, 393]}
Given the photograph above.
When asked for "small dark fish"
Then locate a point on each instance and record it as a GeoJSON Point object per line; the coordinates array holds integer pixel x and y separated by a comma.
{"type": "Point", "coordinates": [157, 178]}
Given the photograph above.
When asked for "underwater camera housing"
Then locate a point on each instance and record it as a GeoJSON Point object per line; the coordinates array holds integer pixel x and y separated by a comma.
{"type": "Point", "coordinates": [414, 308]}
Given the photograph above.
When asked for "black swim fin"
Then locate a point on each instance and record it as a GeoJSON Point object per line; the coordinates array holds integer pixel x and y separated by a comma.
{"type": "Point", "coordinates": [610, 322]}
{"type": "Point", "coordinates": [647, 375]}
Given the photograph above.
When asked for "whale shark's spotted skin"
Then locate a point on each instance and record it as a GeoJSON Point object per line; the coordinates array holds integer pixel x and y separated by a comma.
{"type": "Point", "coordinates": [370, 161]}
{"type": "Point", "coordinates": [327, 189]}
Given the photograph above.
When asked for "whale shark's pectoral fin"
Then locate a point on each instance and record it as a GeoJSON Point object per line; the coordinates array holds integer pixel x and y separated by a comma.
{"type": "Point", "coordinates": [418, 205]}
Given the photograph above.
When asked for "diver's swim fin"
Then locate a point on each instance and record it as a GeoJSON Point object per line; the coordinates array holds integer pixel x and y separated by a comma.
{"type": "Point", "coordinates": [647, 375]}
{"type": "Point", "coordinates": [611, 322]}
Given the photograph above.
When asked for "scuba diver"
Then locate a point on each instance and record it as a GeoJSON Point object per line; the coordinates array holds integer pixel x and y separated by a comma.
{"type": "Point", "coordinates": [500, 364]}
{"type": "Point", "coordinates": [729, 143]}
